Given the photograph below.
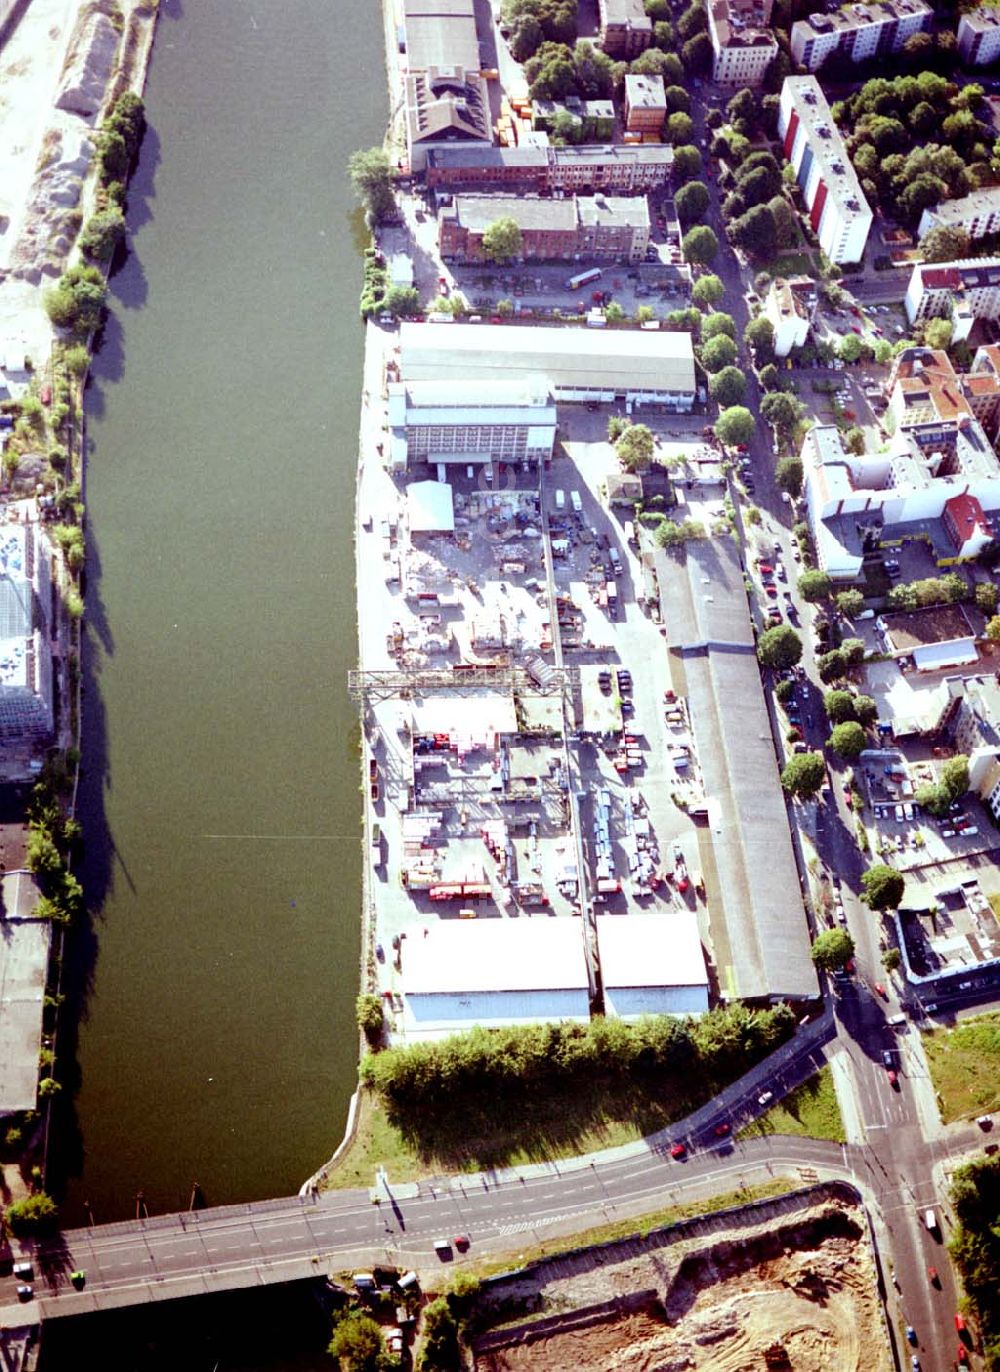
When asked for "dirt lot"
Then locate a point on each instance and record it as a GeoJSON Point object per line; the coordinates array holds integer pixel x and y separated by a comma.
{"type": "Point", "coordinates": [806, 1282]}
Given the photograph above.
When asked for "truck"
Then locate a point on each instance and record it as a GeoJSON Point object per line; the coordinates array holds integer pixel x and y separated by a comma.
{"type": "Point", "coordinates": [583, 278]}
{"type": "Point", "coordinates": [560, 500]}
{"type": "Point", "coordinates": [576, 502]}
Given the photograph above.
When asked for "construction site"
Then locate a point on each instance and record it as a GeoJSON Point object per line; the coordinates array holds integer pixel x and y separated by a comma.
{"type": "Point", "coordinates": [784, 1284]}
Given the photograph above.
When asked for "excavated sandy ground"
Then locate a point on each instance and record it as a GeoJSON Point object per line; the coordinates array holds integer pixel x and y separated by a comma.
{"type": "Point", "coordinates": [819, 1302]}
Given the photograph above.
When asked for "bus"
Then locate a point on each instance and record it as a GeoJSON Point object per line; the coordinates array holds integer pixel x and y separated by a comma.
{"type": "Point", "coordinates": [582, 278]}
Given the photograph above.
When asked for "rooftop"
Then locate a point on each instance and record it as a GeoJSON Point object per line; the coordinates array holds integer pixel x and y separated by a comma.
{"type": "Point", "coordinates": [625, 211]}
{"type": "Point", "coordinates": [645, 92]}
{"type": "Point", "coordinates": [651, 950]}
{"type": "Point", "coordinates": [986, 201]}
{"type": "Point", "coordinates": [440, 33]}
{"type": "Point", "coordinates": [477, 212]}
{"type": "Point", "coordinates": [860, 16]}
{"type": "Point", "coordinates": [455, 957]}
{"type": "Point", "coordinates": [24, 959]}
{"type": "Point", "coordinates": [628, 12]}
{"type": "Point", "coordinates": [445, 103]}
{"type": "Point", "coordinates": [919, 628]}
{"type": "Point", "coordinates": [594, 153]}
{"type": "Point", "coordinates": [982, 18]}
{"type": "Point", "coordinates": [825, 142]}
{"type": "Point", "coordinates": [762, 943]}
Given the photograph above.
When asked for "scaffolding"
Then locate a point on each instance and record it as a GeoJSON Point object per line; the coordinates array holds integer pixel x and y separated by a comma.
{"type": "Point", "coordinates": [367, 687]}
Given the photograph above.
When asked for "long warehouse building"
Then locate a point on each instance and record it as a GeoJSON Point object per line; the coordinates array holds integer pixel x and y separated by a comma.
{"type": "Point", "coordinates": [757, 919]}
{"type": "Point", "coordinates": [635, 366]}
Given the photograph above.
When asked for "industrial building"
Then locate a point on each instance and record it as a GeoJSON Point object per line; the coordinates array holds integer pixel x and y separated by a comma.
{"type": "Point", "coordinates": [961, 291]}
{"type": "Point", "coordinates": [760, 938]}
{"type": "Point", "coordinates": [652, 964]}
{"type": "Point", "coordinates": [596, 227]}
{"type": "Point", "coordinates": [26, 595]}
{"type": "Point", "coordinates": [445, 106]}
{"type": "Point", "coordinates": [24, 965]}
{"type": "Point", "coordinates": [978, 214]}
{"type": "Point", "coordinates": [466, 421]}
{"type": "Point", "coordinates": [979, 36]}
{"type": "Point", "coordinates": [625, 27]}
{"type": "Point", "coordinates": [858, 33]}
{"type": "Point", "coordinates": [935, 638]}
{"type": "Point", "coordinates": [579, 364]}
{"type": "Point", "coordinates": [839, 214]}
{"type": "Point", "coordinates": [625, 169]}
{"type": "Point", "coordinates": [439, 33]}
{"type": "Point", "coordinates": [743, 46]}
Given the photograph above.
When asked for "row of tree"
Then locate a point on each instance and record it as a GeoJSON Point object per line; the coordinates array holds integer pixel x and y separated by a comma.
{"type": "Point", "coordinates": [518, 1063]}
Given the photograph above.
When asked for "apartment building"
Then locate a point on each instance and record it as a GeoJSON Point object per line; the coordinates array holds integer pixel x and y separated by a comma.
{"type": "Point", "coordinates": [645, 105]}
{"type": "Point", "coordinates": [961, 291]}
{"type": "Point", "coordinates": [978, 214]}
{"type": "Point", "coordinates": [743, 46]}
{"type": "Point", "coordinates": [839, 214]}
{"type": "Point", "coordinates": [925, 389]}
{"type": "Point", "coordinates": [979, 36]}
{"type": "Point", "coordinates": [858, 33]}
{"type": "Point", "coordinates": [620, 169]}
{"type": "Point", "coordinates": [625, 27]}
{"type": "Point", "coordinates": [615, 228]}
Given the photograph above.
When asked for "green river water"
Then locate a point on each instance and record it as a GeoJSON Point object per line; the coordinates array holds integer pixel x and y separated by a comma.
{"type": "Point", "coordinates": [220, 794]}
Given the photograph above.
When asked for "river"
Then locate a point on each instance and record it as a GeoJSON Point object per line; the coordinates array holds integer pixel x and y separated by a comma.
{"type": "Point", "coordinates": [220, 796]}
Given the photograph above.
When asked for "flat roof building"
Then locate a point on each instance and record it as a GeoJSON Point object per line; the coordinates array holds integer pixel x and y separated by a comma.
{"type": "Point", "coordinates": [785, 305]}
{"type": "Point", "coordinates": [625, 168]}
{"type": "Point", "coordinates": [978, 214]}
{"type": "Point", "coordinates": [652, 965]}
{"type": "Point", "coordinates": [457, 974]}
{"type": "Point", "coordinates": [938, 637]}
{"type": "Point", "coordinates": [26, 589]}
{"type": "Point", "coordinates": [597, 226]}
{"type": "Point", "coordinates": [839, 214]}
{"type": "Point", "coordinates": [743, 46]}
{"type": "Point", "coordinates": [24, 964]}
{"type": "Point", "coordinates": [760, 939]}
{"type": "Point", "coordinates": [979, 36]}
{"type": "Point", "coordinates": [470, 421]}
{"type": "Point", "coordinates": [577, 363]}
{"type": "Point", "coordinates": [440, 33]}
{"type": "Point", "coordinates": [858, 33]}
{"type": "Point", "coordinates": [645, 104]}
{"type": "Point", "coordinates": [962, 291]}
{"type": "Point", "coordinates": [625, 27]}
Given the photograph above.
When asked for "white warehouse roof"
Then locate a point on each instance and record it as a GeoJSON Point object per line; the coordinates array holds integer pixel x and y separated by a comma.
{"type": "Point", "coordinates": [570, 358]}
{"type": "Point", "coordinates": [652, 964]}
{"type": "Point", "coordinates": [455, 957]}
{"type": "Point", "coordinates": [430, 507]}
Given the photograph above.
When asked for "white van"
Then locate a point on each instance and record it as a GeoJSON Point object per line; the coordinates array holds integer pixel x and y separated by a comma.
{"type": "Point", "coordinates": [930, 1220]}
{"type": "Point", "coordinates": [560, 500]}
{"type": "Point", "coordinates": [898, 812]}
{"type": "Point", "coordinates": [866, 614]}
{"type": "Point", "coordinates": [576, 502]}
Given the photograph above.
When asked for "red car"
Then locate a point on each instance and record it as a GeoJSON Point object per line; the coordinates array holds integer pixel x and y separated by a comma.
{"type": "Point", "coordinates": [880, 989]}
{"type": "Point", "coordinates": [461, 1242]}
{"type": "Point", "coordinates": [893, 1079]}
{"type": "Point", "coordinates": [960, 1322]}
{"type": "Point", "coordinates": [721, 1130]}
{"type": "Point", "coordinates": [932, 1274]}
{"type": "Point", "coordinates": [962, 1355]}
{"type": "Point", "coordinates": [678, 1151]}
{"type": "Point", "coordinates": [771, 589]}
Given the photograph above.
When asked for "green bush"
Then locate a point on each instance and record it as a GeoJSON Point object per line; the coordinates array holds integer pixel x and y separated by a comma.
{"type": "Point", "coordinates": [33, 1216]}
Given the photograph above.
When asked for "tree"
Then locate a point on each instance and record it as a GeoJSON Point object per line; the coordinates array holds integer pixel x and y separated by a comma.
{"type": "Point", "coordinates": [613, 312]}
{"type": "Point", "coordinates": [736, 425]}
{"type": "Point", "coordinates": [832, 665]}
{"type": "Point", "coordinates": [635, 448]}
{"type": "Point", "coordinates": [788, 474]}
{"type": "Point", "coordinates": [943, 244]}
{"type": "Point", "coordinates": [891, 959]}
{"type": "Point", "coordinates": [759, 337]}
{"type": "Point", "coordinates": [371, 176]}
{"type": "Point", "coordinates": [77, 360]}
{"type": "Point", "coordinates": [993, 628]}
{"type": "Point", "coordinates": [76, 301]}
{"type": "Point", "coordinates": [986, 596]}
{"type": "Point", "coordinates": [502, 241]}
{"type": "Point", "coordinates": [680, 128]}
{"type": "Point", "coordinates": [850, 603]}
{"type": "Point", "coordinates": [882, 887]}
{"type": "Point", "coordinates": [779, 648]}
{"type": "Point", "coordinates": [839, 706]}
{"type": "Point", "coordinates": [102, 233]}
{"type": "Point", "coordinates": [937, 333]}
{"type": "Point", "coordinates": [849, 348]}
{"type": "Point", "coordinates": [708, 289]}
{"type": "Point", "coordinates": [782, 411]}
{"type": "Point", "coordinates": [617, 424]}
{"type": "Point", "coordinates": [700, 245]}
{"type": "Point", "coordinates": [357, 1344]}
{"type": "Point", "coordinates": [402, 300]}
{"type": "Point", "coordinates": [955, 776]}
{"type": "Point", "coordinates": [526, 38]}
{"type": "Point", "coordinates": [832, 950]}
{"type": "Point", "coordinates": [441, 1351]}
{"type": "Point", "coordinates": [369, 1016]}
{"type": "Point", "coordinates": [847, 739]}
{"type": "Point", "coordinates": [691, 202]}
{"type": "Point", "coordinates": [769, 377]}
{"type": "Point", "coordinates": [883, 352]}
{"type": "Point", "coordinates": [853, 650]}
{"type": "Point", "coordinates": [854, 440]}
{"type": "Point", "coordinates": [785, 690]}
{"type": "Point", "coordinates": [728, 387]}
{"type": "Point", "coordinates": [742, 109]}
{"type": "Point", "coordinates": [687, 163]}
{"type": "Point", "coordinates": [717, 353]}
{"type": "Point", "coordinates": [786, 222]}
{"type": "Point", "coordinates": [718, 323]}
{"type": "Point", "coordinates": [755, 233]}
{"type": "Point", "coordinates": [693, 20]}
{"type": "Point", "coordinates": [814, 585]}
{"type": "Point", "coordinates": [32, 1216]}
{"type": "Point", "coordinates": [803, 775]}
